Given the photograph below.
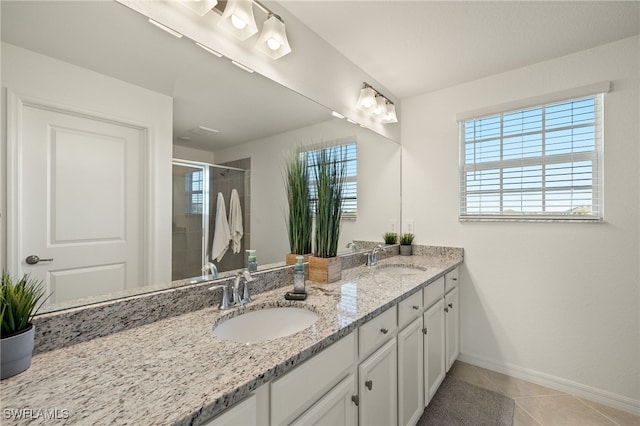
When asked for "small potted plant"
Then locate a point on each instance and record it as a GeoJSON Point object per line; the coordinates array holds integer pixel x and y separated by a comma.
{"type": "Point", "coordinates": [19, 302]}
{"type": "Point", "coordinates": [390, 238]}
{"type": "Point", "coordinates": [406, 247]}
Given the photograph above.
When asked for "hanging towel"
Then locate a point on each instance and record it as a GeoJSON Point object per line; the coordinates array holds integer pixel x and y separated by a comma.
{"type": "Point", "coordinates": [235, 221]}
{"type": "Point", "coordinates": [221, 234]}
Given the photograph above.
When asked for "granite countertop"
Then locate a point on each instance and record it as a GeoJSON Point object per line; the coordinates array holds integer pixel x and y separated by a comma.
{"type": "Point", "coordinates": [175, 371]}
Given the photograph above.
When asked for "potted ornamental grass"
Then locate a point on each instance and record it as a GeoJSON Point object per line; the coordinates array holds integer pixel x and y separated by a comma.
{"type": "Point", "coordinates": [300, 219]}
{"type": "Point", "coordinates": [390, 238]}
{"type": "Point", "coordinates": [328, 172]}
{"type": "Point", "coordinates": [406, 244]}
{"type": "Point", "coordinates": [20, 300]}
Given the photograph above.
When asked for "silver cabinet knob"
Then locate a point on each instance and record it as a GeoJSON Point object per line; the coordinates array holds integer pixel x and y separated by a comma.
{"type": "Point", "coordinates": [446, 309]}
{"type": "Point", "coordinates": [384, 330]}
{"type": "Point", "coordinates": [424, 330]}
{"type": "Point", "coordinates": [451, 305]}
{"type": "Point", "coordinates": [369, 384]}
{"type": "Point", "coordinates": [415, 307]}
{"type": "Point", "coordinates": [33, 259]}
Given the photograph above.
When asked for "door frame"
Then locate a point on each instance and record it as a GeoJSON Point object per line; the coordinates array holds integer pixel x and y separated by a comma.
{"type": "Point", "coordinates": [15, 105]}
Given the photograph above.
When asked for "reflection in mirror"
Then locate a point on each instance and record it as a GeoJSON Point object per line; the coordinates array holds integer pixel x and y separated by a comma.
{"type": "Point", "coordinates": [258, 122]}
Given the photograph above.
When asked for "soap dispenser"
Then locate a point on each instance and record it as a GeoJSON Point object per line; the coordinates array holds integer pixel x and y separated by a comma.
{"type": "Point", "coordinates": [252, 264]}
{"type": "Point", "coordinates": [298, 276]}
{"type": "Point", "coordinates": [299, 292]}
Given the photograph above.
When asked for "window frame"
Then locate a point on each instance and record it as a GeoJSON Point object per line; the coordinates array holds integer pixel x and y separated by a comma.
{"type": "Point", "coordinates": [349, 179]}
{"type": "Point", "coordinates": [572, 159]}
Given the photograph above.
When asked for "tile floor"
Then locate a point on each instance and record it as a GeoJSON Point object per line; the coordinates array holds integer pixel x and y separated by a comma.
{"type": "Point", "coordinates": [539, 406]}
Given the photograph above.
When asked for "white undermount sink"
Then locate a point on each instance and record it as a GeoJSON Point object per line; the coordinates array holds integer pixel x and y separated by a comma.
{"type": "Point", "coordinates": [265, 324]}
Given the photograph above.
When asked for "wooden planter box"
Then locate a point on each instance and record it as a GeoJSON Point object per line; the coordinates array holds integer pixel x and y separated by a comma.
{"type": "Point", "coordinates": [325, 270]}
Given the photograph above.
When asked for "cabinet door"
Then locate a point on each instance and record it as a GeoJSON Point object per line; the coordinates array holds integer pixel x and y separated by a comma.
{"type": "Point", "coordinates": [336, 408]}
{"type": "Point", "coordinates": [254, 410]}
{"type": "Point", "coordinates": [452, 320]}
{"type": "Point", "coordinates": [378, 387]}
{"type": "Point", "coordinates": [410, 374]}
{"type": "Point", "coordinates": [434, 349]}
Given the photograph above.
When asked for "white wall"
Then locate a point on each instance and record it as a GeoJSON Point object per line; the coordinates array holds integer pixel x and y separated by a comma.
{"type": "Point", "coordinates": [555, 303]}
{"type": "Point", "coordinates": [192, 154]}
{"type": "Point", "coordinates": [31, 74]}
{"type": "Point", "coordinates": [378, 184]}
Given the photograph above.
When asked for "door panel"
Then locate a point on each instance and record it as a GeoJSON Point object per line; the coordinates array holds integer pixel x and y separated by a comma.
{"type": "Point", "coordinates": [80, 202]}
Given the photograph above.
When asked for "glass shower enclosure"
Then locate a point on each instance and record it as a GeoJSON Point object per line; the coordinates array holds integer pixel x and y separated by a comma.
{"type": "Point", "coordinates": [195, 189]}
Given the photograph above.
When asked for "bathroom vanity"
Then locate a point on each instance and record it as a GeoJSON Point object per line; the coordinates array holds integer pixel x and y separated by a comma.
{"type": "Point", "coordinates": [384, 337]}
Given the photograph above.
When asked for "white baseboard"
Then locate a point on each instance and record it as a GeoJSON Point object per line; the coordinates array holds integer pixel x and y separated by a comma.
{"type": "Point", "coordinates": [577, 389]}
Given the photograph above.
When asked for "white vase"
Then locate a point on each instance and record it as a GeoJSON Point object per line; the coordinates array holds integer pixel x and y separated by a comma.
{"type": "Point", "coordinates": [15, 352]}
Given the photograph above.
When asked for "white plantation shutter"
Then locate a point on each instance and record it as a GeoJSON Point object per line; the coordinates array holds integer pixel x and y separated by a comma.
{"type": "Point", "coordinates": [541, 163]}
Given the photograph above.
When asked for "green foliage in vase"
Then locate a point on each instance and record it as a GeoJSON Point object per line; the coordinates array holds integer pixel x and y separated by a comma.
{"type": "Point", "coordinates": [407, 239]}
{"type": "Point", "coordinates": [300, 223]}
{"type": "Point", "coordinates": [329, 170]}
{"type": "Point", "coordinates": [390, 237]}
{"type": "Point", "coordinates": [19, 302]}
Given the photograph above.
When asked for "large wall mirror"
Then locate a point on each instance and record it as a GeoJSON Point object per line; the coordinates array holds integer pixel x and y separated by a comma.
{"type": "Point", "coordinates": [232, 131]}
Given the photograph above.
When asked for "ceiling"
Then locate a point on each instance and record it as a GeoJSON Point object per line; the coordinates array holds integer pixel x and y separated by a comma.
{"type": "Point", "coordinates": [414, 47]}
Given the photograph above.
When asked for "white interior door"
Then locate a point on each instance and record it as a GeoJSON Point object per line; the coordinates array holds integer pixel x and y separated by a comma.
{"type": "Point", "coordinates": [79, 202]}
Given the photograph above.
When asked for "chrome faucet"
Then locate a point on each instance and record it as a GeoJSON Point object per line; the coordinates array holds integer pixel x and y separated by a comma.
{"type": "Point", "coordinates": [224, 302]}
{"type": "Point", "coordinates": [372, 256]}
{"type": "Point", "coordinates": [237, 300]}
{"type": "Point", "coordinates": [210, 267]}
{"type": "Point", "coordinates": [353, 246]}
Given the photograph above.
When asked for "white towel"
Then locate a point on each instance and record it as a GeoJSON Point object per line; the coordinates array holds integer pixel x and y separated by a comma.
{"type": "Point", "coordinates": [221, 234]}
{"type": "Point", "coordinates": [235, 221]}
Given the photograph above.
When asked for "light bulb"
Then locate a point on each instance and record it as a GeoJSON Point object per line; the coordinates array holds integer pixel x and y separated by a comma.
{"type": "Point", "coordinates": [237, 22]}
{"type": "Point", "coordinates": [273, 44]}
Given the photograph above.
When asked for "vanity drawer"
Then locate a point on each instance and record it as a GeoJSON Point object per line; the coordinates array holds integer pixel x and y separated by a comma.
{"type": "Point", "coordinates": [450, 280]}
{"type": "Point", "coordinates": [409, 309]}
{"type": "Point", "coordinates": [377, 331]}
{"type": "Point", "coordinates": [433, 292]}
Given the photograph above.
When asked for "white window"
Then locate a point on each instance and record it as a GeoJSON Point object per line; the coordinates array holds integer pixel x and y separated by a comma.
{"type": "Point", "coordinates": [347, 153]}
{"type": "Point", "coordinates": [537, 163]}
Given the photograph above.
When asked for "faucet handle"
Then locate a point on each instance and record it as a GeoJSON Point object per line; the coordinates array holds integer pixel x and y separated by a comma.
{"type": "Point", "coordinates": [245, 294]}
{"type": "Point", "coordinates": [224, 302]}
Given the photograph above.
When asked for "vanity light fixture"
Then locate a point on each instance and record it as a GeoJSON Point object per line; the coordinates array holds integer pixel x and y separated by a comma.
{"type": "Point", "coordinates": [210, 50]}
{"type": "Point", "coordinates": [273, 39]}
{"type": "Point", "coordinates": [165, 28]}
{"type": "Point", "coordinates": [367, 98]}
{"type": "Point", "coordinates": [238, 19]}
{"type": "Point", "coordinates": [376, 104]}
{"type": "Point", "coordinates": [201, 7]}
{"type": "Point", "coordinates": [390, 116]}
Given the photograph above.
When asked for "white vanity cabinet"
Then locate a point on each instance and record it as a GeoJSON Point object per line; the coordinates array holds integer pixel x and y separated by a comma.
{"type": "Point", "coordinates": [253, 410]}
{"type": "Point", "coordinates": [377, 386]}
{"type": "Point", "coordinates": [410, 373]}
{"type": "Point", "coordinates": [305, 387]}
{"type": "Point", "coordinates": [434, 349]}
{"type": "Point", "coordinates": [452, 317]}
{"type": "Point", "coordinates": [378, 370]}
{"type": "Point", "coordinates": [383, 373]}
{"type": "Point", "coordinates": [336, 408]}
